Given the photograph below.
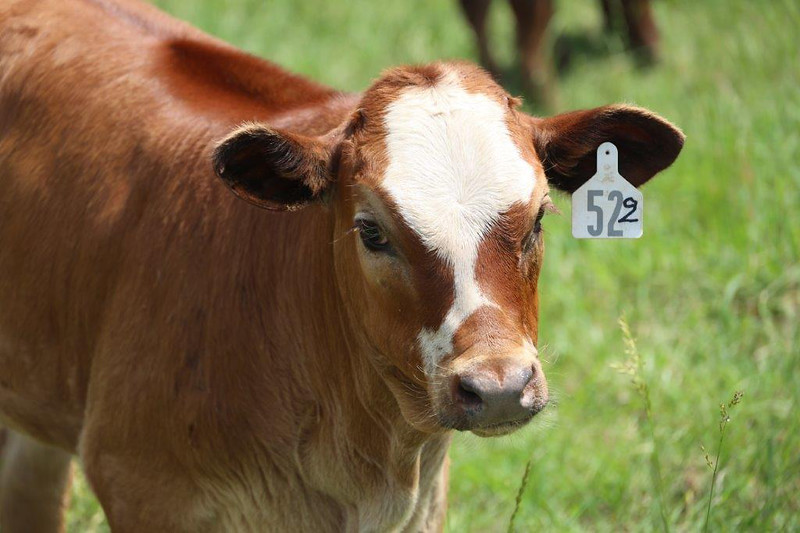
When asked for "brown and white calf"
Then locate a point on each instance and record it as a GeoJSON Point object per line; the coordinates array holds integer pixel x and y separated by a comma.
{"type": "Point", "coordinates": [220, 367]}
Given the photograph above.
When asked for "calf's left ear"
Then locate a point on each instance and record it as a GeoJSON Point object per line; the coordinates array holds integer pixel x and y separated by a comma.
{"type": "Point", "coordinates": [276, 170]}
{"type": "Point", "coordinates": [567, 144]}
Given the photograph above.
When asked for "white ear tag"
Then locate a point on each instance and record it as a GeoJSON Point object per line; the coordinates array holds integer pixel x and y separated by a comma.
{"type": "Point", "coordinates": [607, 206]}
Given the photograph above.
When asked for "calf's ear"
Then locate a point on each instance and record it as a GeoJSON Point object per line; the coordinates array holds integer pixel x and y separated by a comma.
{"type": "Point", "coordinates": [567, 144]}
{"type": "Point", "coordinates": [273, 169]}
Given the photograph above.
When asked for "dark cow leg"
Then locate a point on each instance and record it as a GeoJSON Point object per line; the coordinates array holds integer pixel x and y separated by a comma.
{"type": "Point", "coordinates": [33, 486]}
{"type": "Point", "coordinates": [532, 18]}
{"type": "Point", "coordinates": [642, 29]}
{"type": "Point", "coordinates": [608, 15]}
{"type": "Point", "coordinates": [476, 11]}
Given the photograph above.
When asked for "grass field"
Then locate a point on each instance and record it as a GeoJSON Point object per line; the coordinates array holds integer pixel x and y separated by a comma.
{"type": "Point", "coordinates": [711, 292]}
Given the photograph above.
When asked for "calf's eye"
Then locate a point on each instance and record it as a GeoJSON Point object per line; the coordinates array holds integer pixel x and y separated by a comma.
{"type": "Point", "coordinates": [372, 236]}
{"type": "Point", "coordinates": [533, 236]}
{"type": "Point", "coordinates": [537, 225]}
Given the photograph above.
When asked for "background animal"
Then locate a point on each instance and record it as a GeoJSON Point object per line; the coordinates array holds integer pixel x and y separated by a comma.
{"type": "Point", "coordinates": [634, 18]}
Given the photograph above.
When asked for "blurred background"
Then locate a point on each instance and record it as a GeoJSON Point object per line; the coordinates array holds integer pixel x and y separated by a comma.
{"type": "Point", "coordinates": [711, 292]}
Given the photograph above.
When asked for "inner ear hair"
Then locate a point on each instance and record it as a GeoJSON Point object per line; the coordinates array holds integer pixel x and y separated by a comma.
{"type": "Point", "coordinates": [292, 156]}
{"type": "Point", "coordinates": [567, 144]}
{"type": "Point", "coordinates": [271, 168]}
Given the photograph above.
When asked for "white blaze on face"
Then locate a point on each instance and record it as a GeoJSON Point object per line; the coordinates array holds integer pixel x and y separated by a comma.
{"type": "Point", "coordinates": [453, 169]}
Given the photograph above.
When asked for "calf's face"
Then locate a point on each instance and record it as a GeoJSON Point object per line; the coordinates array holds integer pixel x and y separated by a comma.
{"type": "Point", "coordinates": [438, 186]}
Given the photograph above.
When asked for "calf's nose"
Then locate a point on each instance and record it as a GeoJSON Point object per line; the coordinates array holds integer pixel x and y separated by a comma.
{"type": "Point", "coordinates": [490, 398]}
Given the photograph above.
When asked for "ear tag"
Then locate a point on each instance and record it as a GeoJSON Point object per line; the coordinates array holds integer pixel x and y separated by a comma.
{"type": "Point", "coordinates": [607, 206]}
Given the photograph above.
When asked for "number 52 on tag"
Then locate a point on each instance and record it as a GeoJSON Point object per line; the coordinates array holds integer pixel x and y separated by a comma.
{"type": "Point", "coordinates": [607, 206]}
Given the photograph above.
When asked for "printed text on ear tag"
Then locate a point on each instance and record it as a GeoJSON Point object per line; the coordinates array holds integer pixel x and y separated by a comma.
{"type": "Point", "coordinates": [607, 206]}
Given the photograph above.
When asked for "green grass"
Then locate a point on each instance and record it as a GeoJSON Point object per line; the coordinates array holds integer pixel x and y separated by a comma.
{"type": "Point", "coordinates": [711, 292]}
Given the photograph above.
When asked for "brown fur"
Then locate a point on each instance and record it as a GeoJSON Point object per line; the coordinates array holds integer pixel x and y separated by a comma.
{"type": "Point", "coordinates": [218, 367]}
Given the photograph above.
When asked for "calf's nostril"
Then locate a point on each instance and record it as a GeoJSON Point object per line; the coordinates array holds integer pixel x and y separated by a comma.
{"type": "Point", "coordinates": [467, 394]}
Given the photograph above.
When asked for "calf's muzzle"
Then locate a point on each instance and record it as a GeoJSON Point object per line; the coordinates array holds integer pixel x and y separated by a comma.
{"type": "Point", "coordinates": [494, 392]}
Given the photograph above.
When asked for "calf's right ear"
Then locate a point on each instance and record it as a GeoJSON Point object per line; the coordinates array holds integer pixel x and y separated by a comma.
{"type": "Point", "coordinates": [567, 144]}
{"type": "Point", "coordinates": [272, 169]}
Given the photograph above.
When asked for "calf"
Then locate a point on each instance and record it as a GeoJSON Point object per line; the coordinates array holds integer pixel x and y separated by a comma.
{"type": "Point", "coordinates": [302, 366]}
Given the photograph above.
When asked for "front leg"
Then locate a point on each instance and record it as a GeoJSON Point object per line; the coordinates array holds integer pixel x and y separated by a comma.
{"type": "Point", "coordinates": [533, 17]}
{"type": "Point", "coordinates": [432, 504]}
{"type": "Point", "coordinates": [138, 496]}
{"type": "Point", "coordinates": [476, 12]}
{"type": "Point", "coordinates": [33, 486]}
{"type": "Point", "coordinates": [139, 481]}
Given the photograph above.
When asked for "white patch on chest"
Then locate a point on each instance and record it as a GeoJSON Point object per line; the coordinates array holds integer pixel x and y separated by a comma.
{"type": "Point", "coordinates": [453, 169]}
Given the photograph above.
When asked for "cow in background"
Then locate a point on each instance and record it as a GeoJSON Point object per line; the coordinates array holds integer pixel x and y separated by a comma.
{"type": "Point", "coordinates": [532, 18]}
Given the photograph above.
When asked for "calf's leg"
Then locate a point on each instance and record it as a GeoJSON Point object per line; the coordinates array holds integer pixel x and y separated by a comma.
{"type": "Point", "coordinates": [142, 489]}
{"type": "Point", "coordinates": [642, 29]}
{"type": "Point", "coordinates": [608, 15]}
{"type": "Point", "coordinates": [476, 12]}
{"type": "Point", "coordinates": [33, 486]}
{"type": "Point", "coordinates": [532, 18]}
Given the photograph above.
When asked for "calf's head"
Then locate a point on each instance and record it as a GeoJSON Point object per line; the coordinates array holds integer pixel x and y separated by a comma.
{"type": "Point", "coordinates": [436, 186]}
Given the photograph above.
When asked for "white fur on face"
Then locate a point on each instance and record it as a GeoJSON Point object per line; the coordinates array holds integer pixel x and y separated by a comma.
{"type": "Point", "coordinates": [453, 169]}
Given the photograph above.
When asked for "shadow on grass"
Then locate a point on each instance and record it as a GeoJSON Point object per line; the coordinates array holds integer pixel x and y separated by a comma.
{"type": "Point", "coordinates": [569, 50]}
